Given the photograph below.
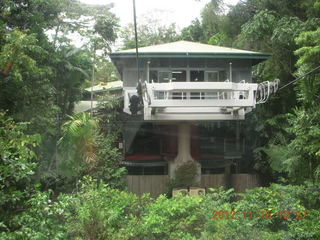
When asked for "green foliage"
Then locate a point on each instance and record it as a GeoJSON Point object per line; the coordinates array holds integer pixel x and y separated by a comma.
{"type": "Point", "coordinates": [41, 220]}
{"type": "Point", "coordinates": [184, 176]}
{"type": "Point", "coordinates": [17, 164]}
{"type": "Point", "coordinates": [218, 39]}
{"type": "Point", "coordinates": [260, 26]}
{"type": "Point", "coordinates": [87, 146]}
{"type": "Point", "coordinates": [105, 71]}
{"type": "Point", "coordinates": [97, 211]}
{"type": "Point", "coordinates": [78, 144]}
{"type": "Point", "coordinates": [298, 155]}
{"type": "Point", "coordinates": [305, 144]}
{"type": "Point", "coordinates": [108, 166]}
{"type": "Point", "coordinates": [176, 218]}
{"type": "Point", "coordinates": [212, 18]}
{"type": "Point", "coordinates": [41, 79]}
{"type": "Point", "coordinates": [150, 31]}
{"type": "Point", "coordinates": [309, 87]}
{"type": "Point", "coordinates": [193, 32]}
{"type": "Point", "coordinates": [35, 15]}
{"type": "Point", "coordinates": [280, 27]}
{"type": "Point", "coordinates": [274, 199]}
{"type": "Point", "coordinates": [15, 54]}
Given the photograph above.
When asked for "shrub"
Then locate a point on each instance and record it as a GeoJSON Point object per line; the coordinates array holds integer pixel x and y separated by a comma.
{"type": "Point", "coordinates": [176, 218]}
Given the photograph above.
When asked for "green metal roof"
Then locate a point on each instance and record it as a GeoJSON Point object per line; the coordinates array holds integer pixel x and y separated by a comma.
{"type": "Point", "coordinates": [189, 49]}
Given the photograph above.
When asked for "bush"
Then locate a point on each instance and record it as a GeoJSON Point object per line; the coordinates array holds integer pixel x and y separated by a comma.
{"type": "Point", "coordinates": [184, 176]}
{"type": "Point", "coordinates": [98, 211]}
{"type": "Point", "coordinates": [176, 218]}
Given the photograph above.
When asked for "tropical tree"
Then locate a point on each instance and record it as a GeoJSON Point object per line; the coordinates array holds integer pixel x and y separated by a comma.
{"type": "Point", "coordinates": [193, 32]}
{"type": "Point", "coordinates": [17, 165]}
{"type": "Point", "coordinates": [78, 144]}
{"type": "Point", "coordinates": [302, 152]}
{"type": "Point", "coordinates": [151, 31]}
{"type": "Point", "coordinates": [293, 139]}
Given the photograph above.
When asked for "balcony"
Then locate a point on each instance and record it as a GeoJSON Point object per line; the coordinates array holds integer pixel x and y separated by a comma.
{"type": "Point", "coordinates": [176, 101]}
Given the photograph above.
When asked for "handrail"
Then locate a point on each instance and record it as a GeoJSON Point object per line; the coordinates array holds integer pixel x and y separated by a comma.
{"type": "Point", "coordinates": [203, 100]}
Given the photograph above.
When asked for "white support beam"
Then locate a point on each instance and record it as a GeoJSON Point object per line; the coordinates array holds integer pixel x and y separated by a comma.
{"type": "Point", "coordinates": [192, 117]}
{"type": "Point", "coordinates": [202, 103]}
{"type": "Point", "coordinates": [202, 86]}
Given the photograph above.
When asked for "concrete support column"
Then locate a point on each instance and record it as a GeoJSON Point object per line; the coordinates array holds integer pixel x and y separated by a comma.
{"type": "Point", "coordinates": [184, 151]}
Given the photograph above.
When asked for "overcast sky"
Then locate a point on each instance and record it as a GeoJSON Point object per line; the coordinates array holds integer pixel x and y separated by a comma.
{"type": "Point", "coordinates": [181, 12]}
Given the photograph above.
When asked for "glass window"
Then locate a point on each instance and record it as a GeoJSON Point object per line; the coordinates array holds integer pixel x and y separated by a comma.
{"type": "Point", "coordinates": [153, 76]}
{"type": "Point", "coordinates": [179, 95]}
{"type": "Point", "coordinates": [164, 77]}
{"type": "Point", "coordinates": [213, 76]}
{"type": "Point", "coordinates": [196, 76]}
{"type": "Point", "coordinates": [222, 76]}
{"type": "Point", "coordinates": [235, 76]}
{"type": "Point", "coordinates": [179, 76]}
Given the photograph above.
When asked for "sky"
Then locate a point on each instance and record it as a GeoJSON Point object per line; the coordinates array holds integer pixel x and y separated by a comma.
{"type": "Point", "coordinates": [180, 12]}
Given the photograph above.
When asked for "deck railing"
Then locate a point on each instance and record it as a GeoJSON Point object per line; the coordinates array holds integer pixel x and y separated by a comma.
{"type": "Point", "coordinates": [201, 100]}
{"type": "Point", "coordinates": [177, 94]}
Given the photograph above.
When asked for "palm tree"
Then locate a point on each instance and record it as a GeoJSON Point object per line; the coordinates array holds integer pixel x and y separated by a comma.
{"type": "Point", "coordinates": [79, 141]}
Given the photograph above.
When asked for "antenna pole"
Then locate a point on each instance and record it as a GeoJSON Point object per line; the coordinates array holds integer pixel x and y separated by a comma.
{"type": "Point", "coordinates": [136, 38]}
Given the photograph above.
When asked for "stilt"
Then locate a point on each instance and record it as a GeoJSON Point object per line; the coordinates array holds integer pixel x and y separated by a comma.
{"type": "Point", "coordinates": [184, 154]}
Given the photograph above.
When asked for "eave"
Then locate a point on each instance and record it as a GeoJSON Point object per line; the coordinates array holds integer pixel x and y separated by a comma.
{"type": "Point", "coordinates": [121, 55]}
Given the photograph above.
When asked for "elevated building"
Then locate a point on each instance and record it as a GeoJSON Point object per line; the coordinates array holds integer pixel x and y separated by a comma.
{"type": "Point", "coordinates": [187, 103]}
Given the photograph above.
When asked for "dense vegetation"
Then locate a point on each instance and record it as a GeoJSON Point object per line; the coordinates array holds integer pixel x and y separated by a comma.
{"type": "Point", "coordinates": [59, 173]}
{"type": "Point", "coordinates": [97, 211]}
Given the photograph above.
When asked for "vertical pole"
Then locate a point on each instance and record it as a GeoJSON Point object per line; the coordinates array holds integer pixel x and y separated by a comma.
{"type": "Point", "coordinates": [136, 38]}
{"type": "Point", "coordinates": [148, 71]}
{"type": "Point", "coordinates": [230, 71]}
{"type": "Point", "coordinates": [230, 94]}
{"type": "Point", "coordinates": [92, 80]}
{"type": "Point", "coordinates": [238, 135]}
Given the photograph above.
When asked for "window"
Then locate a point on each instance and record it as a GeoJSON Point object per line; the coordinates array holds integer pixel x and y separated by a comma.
{"type": "Point", "coordinates": [213, 76]}
{"type": "Point", "coordinates": [179, 76]}
{"type": "Point", "coordinates": [196, 76]}
{"type": "Point", "coordinates": [164, 77]}
{"type": "Point", "coordinates": [216, 76]}
{"type": "Point", "coordinates": [153, 76]}
{"type": "Point", "coordinates": [222, 76]}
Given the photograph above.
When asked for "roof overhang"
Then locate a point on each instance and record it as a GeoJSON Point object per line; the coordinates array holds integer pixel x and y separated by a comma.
{"type": "Point", "coordinates": [260, 56]}
{"type": "Point", "coordinates": [187, 50]}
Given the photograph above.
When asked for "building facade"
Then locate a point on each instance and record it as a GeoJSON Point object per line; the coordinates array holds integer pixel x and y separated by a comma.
{"type": "Point", "coordinates": [187, 101]}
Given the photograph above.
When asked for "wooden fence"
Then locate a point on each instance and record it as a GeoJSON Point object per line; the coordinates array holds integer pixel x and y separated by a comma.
{"type": "Point", "coordinates": [157, 184]}
{"type": "Point", "coordinates": [153, 184]}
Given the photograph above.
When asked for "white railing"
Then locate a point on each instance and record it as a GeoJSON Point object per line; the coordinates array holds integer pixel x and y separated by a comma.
{"type": "Point", "coordinates": [200, 94]}
{"type": "Point", "coordinates": [203, 100]}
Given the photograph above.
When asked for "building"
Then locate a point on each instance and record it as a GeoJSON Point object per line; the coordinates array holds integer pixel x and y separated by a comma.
{"type": "Point", "coordinates": [114, 88]}
{"type": "Point", "coordinates": [189, 106]}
